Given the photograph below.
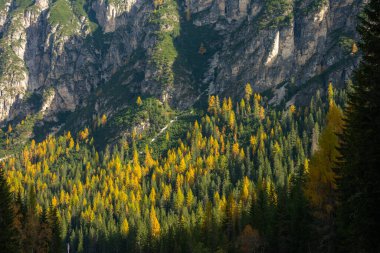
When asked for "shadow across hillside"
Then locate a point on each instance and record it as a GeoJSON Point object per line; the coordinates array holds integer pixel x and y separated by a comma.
{"type": "Point", "coordinates": [196, 46]}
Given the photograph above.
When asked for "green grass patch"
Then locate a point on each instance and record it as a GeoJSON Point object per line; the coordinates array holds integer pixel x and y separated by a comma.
{"type": "Point", "coordinates": [61, 13]}
{"type": "Point", "coordinates": [311, 7]}
{"type": "Point", "coordinates": [276, 13]}
{"type": "Point", "coordinates": [176, 131]}
{"type": "Point", "coordinates": [13, 142]}
{"type": "Point", "coordinates": [166, 17]}
{"type": "Point", "coordinates": [2, 4]}
{"type": "Point", "coordinates": [22, 4]}
{"type": "Point", "coordinates": [152, 113]}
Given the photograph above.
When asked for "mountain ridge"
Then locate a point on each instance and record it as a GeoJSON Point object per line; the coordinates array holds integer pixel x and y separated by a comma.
{"type": "Point", "coordinates": [63, 53]}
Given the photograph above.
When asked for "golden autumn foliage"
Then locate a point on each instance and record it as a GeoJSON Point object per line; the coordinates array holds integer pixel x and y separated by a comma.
{"type": "Point", "coordinates": [245, 190]}
{"type": "Point", "coordinates": [330, 92]}
{"type": "Point", "coordinates": [292, 109]}
{"type": "Point", "coordinates": [83, 135]}
{"type": "Point", "coordinates": [253, 141]}
{"type": "Point", "coordinates": [354, 49]}
{"type": "Point", "coordinates": [189, 198]}
{"type": "Point", "coordinates": [235, 149]}
{"type": "Point", "coordinates": [54, 202]}
{"type": "Point", "coordinates": [212, 104]}
{"type": "Point", "coordinates": [321, 185]}
{"type": "Point", "coordinates": [149, 161]}
{"type": "Point", "coordinates": [231, 120]}
{"type": "Point", "coordinates": [248, 91]}
{"type": "Point", "coordinates": [179, 199]}
{"type": "Point", "coordinates": [124, 229]}
{"type": "Point", "coordinates": [276, 148]}
{"type": "Point", "coordinates": [154, 224]}
{"type": "Point", "coordinates": [158, 3]}
{"type": "Point", "coordinates": [71, 143]}
{"type": "Point", "coordinates": [211, 171]}
{"type": "Point", "coordinates": [103, 120]}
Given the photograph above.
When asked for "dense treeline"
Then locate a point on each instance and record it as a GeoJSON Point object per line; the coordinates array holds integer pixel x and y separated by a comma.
{"type": "Point", "coordinates": [359, 166]}
{"type": "Point", "coordinates": [244, 178]}
{"type": "Point", "coordinates": [235, 182]}
{"type": "Point", "coordinates": [23, 229]}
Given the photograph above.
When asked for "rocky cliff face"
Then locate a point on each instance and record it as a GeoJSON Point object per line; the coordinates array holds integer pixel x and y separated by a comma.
{"type": "Point", "coordinates": [67, 55]}
{"type": "Point", "coordinates": [271, 45]}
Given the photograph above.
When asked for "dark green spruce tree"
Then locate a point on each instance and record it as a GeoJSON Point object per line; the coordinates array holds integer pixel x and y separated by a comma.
{"type": "Point", "coordinates": [55, 244]}
{"type": "Point", "coordinates": [359, 185]}
{"type": "Point", "coordinates": [8, 233]}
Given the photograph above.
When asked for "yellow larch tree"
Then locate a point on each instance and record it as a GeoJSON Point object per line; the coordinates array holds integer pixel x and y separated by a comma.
{"type": "Point", "coordinates": [54, 202]}
{"type": "Point", "coordinates": [71, 143]}
{"type": "Point", "coordinates": [235, 149]}
{"type": "Point", "coordinates": [212, 104]}
{"type": "Point", "coordinates": [189, 198]}
{"type": "Point", "coordinates": [245, 189]}
{"type": "Point", "coordinates": [182, 166]}
{"type": "Point", "coordinates": [124, 229]}
{"type": "Point", "coordinates": [103, 120]}
{"type": "Point", "coordinates": [321, 185]}
{"type": "Point", "coordinates": [262, 113]}
{"type": "Point", "coordinates": [180, 198]}
{"type": "Point", "coordinates": [253, 141]}
{"type": "Point", "coordinates": [248, 92]}
{"type": "Point", "coordinates": [276, 148]}
{"type": "Point", "coordinates": [83, 135]}
{"type": "Point", "coordinates": [152, 196]}
{"type": "Point", "coordinates": [330, 93]}
{"type": "Point", "coordinates": [354, 49]}
{"type": "Point", "coordinates": [149, 161]}
{"type": "Point", "coordinates": [292, 109]}
{"type": "Point", "coordinates": [231, 120]}
{"type": "Point", "coordinates": [154, 224]}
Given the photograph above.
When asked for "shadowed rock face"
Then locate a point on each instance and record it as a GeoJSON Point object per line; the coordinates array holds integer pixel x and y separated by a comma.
{"type": "Point", "coordinates": [69, 53]}
{"type": "Point", "coordinates": [295, 50]}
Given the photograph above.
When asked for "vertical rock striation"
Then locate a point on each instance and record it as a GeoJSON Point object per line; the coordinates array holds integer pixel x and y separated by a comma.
{"type": "Point", "coordinates": [174, 50]}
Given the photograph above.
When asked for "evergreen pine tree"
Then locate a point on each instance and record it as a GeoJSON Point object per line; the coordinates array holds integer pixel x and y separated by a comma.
{"type": "Point", "coordinates": [32, 223]}
{"type": "Point", "coordinates": [360, 144]}
{"type": "Point", "coordinates": [55, 244]}
{"type": "Point", "coordinates": [44, 233]}
{"type": "Point", "coordinates": [8, 234]}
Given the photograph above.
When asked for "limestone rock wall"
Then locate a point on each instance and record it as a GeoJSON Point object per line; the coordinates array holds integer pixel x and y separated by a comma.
{"type": "Point", "coordinates": [110, 42]}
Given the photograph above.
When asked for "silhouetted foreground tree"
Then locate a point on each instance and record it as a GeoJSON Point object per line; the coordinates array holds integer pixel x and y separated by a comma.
{"type": "Point", "coordinates": [359, 185]}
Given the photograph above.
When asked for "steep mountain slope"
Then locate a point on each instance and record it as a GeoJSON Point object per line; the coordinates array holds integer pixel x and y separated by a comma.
{"type": "Point", "coordinates": [236, 168]}
{"type": "Point", "coordinates": [174, 125]}
{"type": "Point", "coordinates": [98, 56]}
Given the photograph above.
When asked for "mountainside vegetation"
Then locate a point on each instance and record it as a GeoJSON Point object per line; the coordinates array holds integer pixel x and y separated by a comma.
{"type": "Point", "coordinates": [359, 164]}
{"type": "Point", "coordinates": [234, 180]}
{"type": "Point", "coordinates": [292, 169]}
